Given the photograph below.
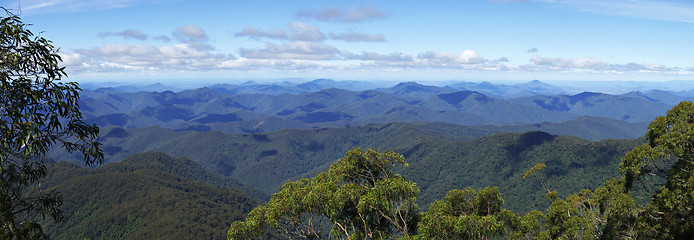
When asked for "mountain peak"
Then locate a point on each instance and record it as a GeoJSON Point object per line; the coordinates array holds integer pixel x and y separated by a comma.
{"type": "Point", "coordinates": [413, 89]}
{"type": "Point", "coordinates": [405, 84]}
{"type": "Point", "coordinates": [317, 84]}
{"type": "Point", "coordinates": [457, 97]}
{"type": "Point", "coordinates": [535, 83]}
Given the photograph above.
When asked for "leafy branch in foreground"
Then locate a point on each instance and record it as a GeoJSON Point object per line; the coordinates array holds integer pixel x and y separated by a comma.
{"type": "Point", "coordinates": [36, 112]}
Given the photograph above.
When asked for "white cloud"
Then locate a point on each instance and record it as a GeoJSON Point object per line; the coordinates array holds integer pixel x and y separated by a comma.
{"type": "Point", "coordinates": [193, 36]}
{"type": "Point", "coordinates": [272, 64]}
{"type": "Point", "coordinates": [465, 57]}
{"type": "Point", "coordinates": [644, 67]}
{"type": "Point", "coordinates": [372, 56]}
{"type": "Point", "coordinates": [71, 59]}
{"type": "Point", "coordinates": [469, 60]}
{"type": "Point", "coordinates": [593, 64]}
{"type": "Point", "coordinates": [191, 33]}
{"type": "Point", "coordinates": [191, 54]}
{"type": "Point", "coordinates": [117, 67]}
{"type": "Point", "coordinates": [563, 63]}
{"type": "Point", "coordinates": [127, 34]}
{"type": "Point", "coordinates": [133, 34]}
{"type": "Point", "coordinates": [123, 57]}
{"type": "Point", "coordinates": [470, 57]}
{"type": "Point", "coordinates": [292, 50]}
{"type": "Point", "coordinates": [353, 14]}
{"type": "Point", "coordinates": [163, 38]}
{"type": "Point", "coordinates": [305, 32]}
{"type": "Point", "coordinates": [357, 37]}
{"type": "Point", "coordinates": [120, 58]}
{"type": "Point", "coordinates": [299, 31]}
{"type": "Point", "coordinates": [257, 33]}
{"type": "Point", "coordinates": [305, 50]}
{"type": "Point", "coordinates": [465, 60]}
{"type": "Point", "coordinates": [316, 56]}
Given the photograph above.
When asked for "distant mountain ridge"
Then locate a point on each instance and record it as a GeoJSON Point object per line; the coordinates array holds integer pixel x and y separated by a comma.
{"type": "Point", "coordinates": [254, 108]}
{"type": "Point", "coordinates": [497, 90]}
{"type": "Point", "coordinates": [511, 91]}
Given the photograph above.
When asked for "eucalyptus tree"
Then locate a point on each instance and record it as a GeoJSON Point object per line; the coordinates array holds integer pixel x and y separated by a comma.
{"type": "Point", "coordinates": [467, 214]}
{"type": "Point", "coordinates": [37, 111]}
{"type": "Point", "coordinates": [663, 169]}
{"type": "Point", "coordinates": [359, 197]}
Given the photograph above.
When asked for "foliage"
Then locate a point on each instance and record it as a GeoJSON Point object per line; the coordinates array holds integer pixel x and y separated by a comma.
{"type": "Point", "coordinates": [609, 212]}
{"type": "Point", "coordinates": [660, 170]}
{"type": "Point", "coordinates": [359, 197]}
{"type": "Point", "coordinates": [466, 214]}
{"type": "Point", "coordinates": [666, 165]}
{"type": "Point", "coordinates": [36, 112]}
{"type": "Point", "coordinates": [441, 158]}
{"type": "Point", "coordinates": [145, 196]}
{"type": "Point", "coordinates": [572, 164]}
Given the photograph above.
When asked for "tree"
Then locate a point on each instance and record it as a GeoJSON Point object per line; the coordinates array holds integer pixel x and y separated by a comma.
{"type": "Point", "coordinates": [466, 214]}
{"type": "Point", "coordinates": [609, 212]}
{"type": "Point", "coordinates": [663, 169]}
{"type": "Point", "coordinates": [359, 197]}
{"type": "Point", "coordinates": [37, 111]}
{"type": "Point", "coordinates": [660, 171]}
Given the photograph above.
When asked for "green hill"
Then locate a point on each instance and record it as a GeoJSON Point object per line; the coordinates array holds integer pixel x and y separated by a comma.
{"type": "Point", "coordinates": [441, 156]}
{"type": "Point", "coordinates": [500, 160]}
{"type": "Point", "coordinates": [146, 196]}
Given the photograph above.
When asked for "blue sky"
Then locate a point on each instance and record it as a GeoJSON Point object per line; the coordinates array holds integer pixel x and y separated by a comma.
{"type": "Point", "coordinates": [583, 40]}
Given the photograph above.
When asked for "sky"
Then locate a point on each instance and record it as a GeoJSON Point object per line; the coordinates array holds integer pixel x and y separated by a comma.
{"type": "Point", "coordinates": [470, 40]}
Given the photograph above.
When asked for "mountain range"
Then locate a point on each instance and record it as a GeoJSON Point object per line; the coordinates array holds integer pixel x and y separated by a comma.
{"type": "Point", "coordinates": [256, 108]}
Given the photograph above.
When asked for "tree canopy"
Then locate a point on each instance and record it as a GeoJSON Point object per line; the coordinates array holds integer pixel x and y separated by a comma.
{"type": "Point", "coordinates": [37, 111]}
{"type": "Point", "coordinates": [359, 197]}
{"type": "Point", "coordinates": [663, 169]}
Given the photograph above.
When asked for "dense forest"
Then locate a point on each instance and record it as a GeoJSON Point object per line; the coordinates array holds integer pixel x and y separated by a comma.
{"type": "Point", "coordinates": [146, 196]}
{"type": "Point", "coordinates": [441, 156]}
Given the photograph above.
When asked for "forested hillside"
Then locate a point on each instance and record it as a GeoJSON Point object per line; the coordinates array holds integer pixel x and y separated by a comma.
{"type": "Point", "coordinates": [500, 160]}
{"type": "Point", "coordinates": [441, 157]}
{"type": "Point", "coordinates": [146, 196]}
